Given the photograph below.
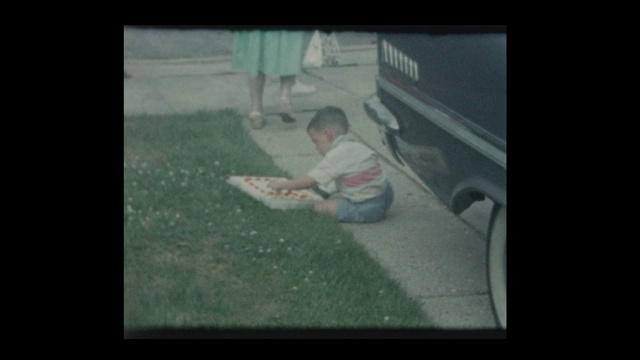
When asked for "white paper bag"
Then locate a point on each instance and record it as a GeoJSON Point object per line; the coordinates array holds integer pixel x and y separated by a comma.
{"type": "Point", "coordinates": [313, 55]}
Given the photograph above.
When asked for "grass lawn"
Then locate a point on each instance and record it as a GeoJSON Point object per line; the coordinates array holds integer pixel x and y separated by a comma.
{"type": "Point", "coordinates": [200, 253]}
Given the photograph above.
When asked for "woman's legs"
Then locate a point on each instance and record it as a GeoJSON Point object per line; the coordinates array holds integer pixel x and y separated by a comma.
{"type": "Point", "coordinates": [286, 84]}
{"type": "Point", "coordinates": [256, 90]}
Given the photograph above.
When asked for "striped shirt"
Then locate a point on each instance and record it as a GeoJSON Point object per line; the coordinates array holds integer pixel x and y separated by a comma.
{"type": "Point", "coordinates": [354, 167]}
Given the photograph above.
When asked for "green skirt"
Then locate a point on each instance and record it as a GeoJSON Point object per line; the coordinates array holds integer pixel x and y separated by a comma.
{"type": "Point", "coordinates": [268, 52]}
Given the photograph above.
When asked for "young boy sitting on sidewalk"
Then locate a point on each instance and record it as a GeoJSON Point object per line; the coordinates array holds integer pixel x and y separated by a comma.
{"type": "Point", "coordinates": [366, 195]}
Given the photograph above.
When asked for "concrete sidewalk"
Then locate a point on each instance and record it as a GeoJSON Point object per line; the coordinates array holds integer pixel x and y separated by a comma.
{"type": "Point", "coordinates": [439, 258]}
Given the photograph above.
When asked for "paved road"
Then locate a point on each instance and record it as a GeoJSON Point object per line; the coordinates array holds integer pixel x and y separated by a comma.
{"type": "Point", "coordinates": [150, 43]}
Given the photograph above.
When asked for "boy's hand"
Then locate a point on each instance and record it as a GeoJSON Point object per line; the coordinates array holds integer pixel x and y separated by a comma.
{"type": "Point", "coordinates": [276, 185]}
{"type": "Point", "coordinates": [304, 182]}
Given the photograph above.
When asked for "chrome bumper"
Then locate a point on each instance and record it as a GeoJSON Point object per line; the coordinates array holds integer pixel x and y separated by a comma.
{"type": "Point", "coordinates": [387, 124]}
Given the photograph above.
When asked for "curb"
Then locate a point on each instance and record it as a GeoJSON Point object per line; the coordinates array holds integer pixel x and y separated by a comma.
{"type": "Point", "coordinates": [228, 58]}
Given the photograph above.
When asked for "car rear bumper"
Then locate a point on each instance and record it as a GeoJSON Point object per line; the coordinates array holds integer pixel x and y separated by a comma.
{"type": "Point", "coordinates": [387, 124]}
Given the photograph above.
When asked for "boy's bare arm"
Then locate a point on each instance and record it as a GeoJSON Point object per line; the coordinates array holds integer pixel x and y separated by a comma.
{"type": "Point", "coordinates": [303, 182]}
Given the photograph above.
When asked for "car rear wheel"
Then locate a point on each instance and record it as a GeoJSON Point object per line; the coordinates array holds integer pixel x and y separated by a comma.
{"type": "Point", "coordinates": [497, 263]}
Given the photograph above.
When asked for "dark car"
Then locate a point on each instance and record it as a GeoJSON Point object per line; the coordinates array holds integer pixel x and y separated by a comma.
{"type": "Point", "coordinates": [440, 104]}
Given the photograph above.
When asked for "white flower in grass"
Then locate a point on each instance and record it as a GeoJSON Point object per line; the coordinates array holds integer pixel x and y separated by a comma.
{"type": "Point", "coordinates": [338, 241]}
{"type": "Point", "coordinates": [281, 240]}
{"type": "Point", "coordinates": [177, 216]}
{"type": "Point", "coordinates": [171, 173]}
{"type": "Point", "coordinates": [216, 163]}
{"type": "Point", "coordinates": [275, 267]}
{"type": "Point", "coordinates": [253, 232]}
{"type": "Point", "coordinates": [386, 318]}
{"type": "Point", "coordinates": [268, 250]}
{"type": "Point", "coordinates": [129, 209]}
{"type": "Point", "coordinates": [289, 249]}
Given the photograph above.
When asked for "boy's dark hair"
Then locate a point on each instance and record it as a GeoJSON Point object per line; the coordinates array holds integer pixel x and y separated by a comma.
{"type": "Point", "coordinates": [327, 116]}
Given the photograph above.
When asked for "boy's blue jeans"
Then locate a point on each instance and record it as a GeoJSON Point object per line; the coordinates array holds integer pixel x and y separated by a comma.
{"type": "Point", "coordinates": [368, 211]}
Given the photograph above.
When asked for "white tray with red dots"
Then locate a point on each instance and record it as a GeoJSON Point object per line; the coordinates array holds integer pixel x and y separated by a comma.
{"type": "Point", "coordinates": [256, 187]}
